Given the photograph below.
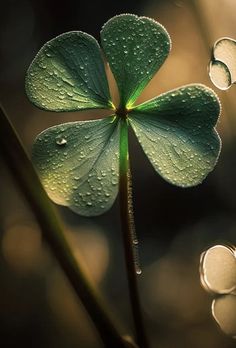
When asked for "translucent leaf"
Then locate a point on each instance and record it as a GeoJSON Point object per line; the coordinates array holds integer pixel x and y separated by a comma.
{"type": "Point", "coordinates": [176, 133]}
{"type": "Point", "coordinates": [135, 47]}
{"type": "Point", "coordinates": [68, 74]}
{"type": "Point", "coordinates": [225, 51]}
{"type": "Point", "coordinates": [218, 269]}
{"type": "Point", "coordinates": [220, 75]}
{"type": "Point", "coordinates": [78, 164]}
{"type": "Point", "coordinates": [224, 312]}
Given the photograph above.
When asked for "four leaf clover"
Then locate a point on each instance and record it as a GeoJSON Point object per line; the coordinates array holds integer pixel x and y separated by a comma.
{"type": "Point", "coordinates": [78, 162]}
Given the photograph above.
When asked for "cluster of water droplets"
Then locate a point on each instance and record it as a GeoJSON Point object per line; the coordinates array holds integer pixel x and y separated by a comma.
{"type": "Point", "coordinates": [135, 48]}
{"type": "Point", "coordinates": [68, 74]}
{"type": "Point", "coordinates": [76, 171]}
{"type": "Point", "coordinates": [176, 133]}
{"type": "Point", "coordinates": [132, 225]}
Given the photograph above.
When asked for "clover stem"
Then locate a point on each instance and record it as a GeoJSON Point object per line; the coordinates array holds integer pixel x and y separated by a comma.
{"type": "Point", "coordinates": [26, 178]}
{"type": "Point", "coordinates": [127, 225]}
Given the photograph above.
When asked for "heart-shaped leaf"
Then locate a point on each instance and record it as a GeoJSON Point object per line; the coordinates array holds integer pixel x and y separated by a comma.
{"type": "Point", "coordinates": [176, 133]}
{"type": "Point", "coordinates": [135, 48]}
{"type": "Point", "coordinates": [68, 74]}
{"type": "Point", "coordinates": [78, 163]}
{"type": "Point", "coordinates": [218, 269]}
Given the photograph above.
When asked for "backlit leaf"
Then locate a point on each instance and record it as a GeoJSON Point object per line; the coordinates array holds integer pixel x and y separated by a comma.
{"type": "Point", "coordinates": [176, 133]}
{"type": "Point", "coordinates": [78, 164]}
{"type": "Point", "coordinates": [68, 75]}
{"type": "Point", "coordinates": [135, 47]}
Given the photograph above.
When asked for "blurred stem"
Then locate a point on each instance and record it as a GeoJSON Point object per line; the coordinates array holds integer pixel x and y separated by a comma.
{"type": "Point", "coordinates": [26, 178]}
{"type": "Point", "coordinates": [127, 224]}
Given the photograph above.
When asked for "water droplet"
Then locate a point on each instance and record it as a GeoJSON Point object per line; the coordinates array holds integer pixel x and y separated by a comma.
{"type": "Point", "coordinates": [61, 141]}
{"type": "Point", "coordinates": [138, 271]}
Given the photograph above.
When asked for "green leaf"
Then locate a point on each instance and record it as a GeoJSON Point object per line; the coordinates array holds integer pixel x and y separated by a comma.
{"type": "Point", "coordinates": [78, 164]}
{"type": "Point", "coordinates": [176, 133]}
{"type": "Point", "coordinates": [135, 48]}
{"type": "Point", "coordinates": [220, 75]}
{"type": "Point", "coordinates": [68, 74]}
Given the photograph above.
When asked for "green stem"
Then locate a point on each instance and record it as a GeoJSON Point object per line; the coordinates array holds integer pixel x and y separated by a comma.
{"type": "Point", "coordinates": [126, 213]}
{"type": "Point", "coordinates": [25, 176]}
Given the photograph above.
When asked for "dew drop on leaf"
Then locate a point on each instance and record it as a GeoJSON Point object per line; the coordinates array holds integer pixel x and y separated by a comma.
{"type": "Point", "coordinates": [61, 141]}
{"type": "Point", "coordinates": [72, 62]}
{"type": "Point", "coordinates": [170, 144]}
{"type": "Point", "coordinates": [135, 39]}
{"type": "Point", "coordinates": [88, 172]}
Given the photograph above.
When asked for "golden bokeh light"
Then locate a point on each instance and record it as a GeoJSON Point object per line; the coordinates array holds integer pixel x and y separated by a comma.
{"type": "Point", "coordinates": [22, 246]}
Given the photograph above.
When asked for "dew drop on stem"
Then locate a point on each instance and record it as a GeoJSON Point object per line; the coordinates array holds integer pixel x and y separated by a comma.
{"type": "Point", "coordinates": [132, 226]}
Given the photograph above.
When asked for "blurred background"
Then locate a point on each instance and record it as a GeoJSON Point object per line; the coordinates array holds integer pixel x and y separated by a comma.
{"type": "Point", "coordinates": [37, 305]}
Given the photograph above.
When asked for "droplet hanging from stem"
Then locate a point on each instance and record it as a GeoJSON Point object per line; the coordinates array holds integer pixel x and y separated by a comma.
{"type": "Point", "coordinates": [132, 225]}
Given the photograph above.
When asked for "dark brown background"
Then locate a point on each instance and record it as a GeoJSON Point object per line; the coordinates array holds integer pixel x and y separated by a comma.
{"type": "Point", "coordinates": [37, 306]}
